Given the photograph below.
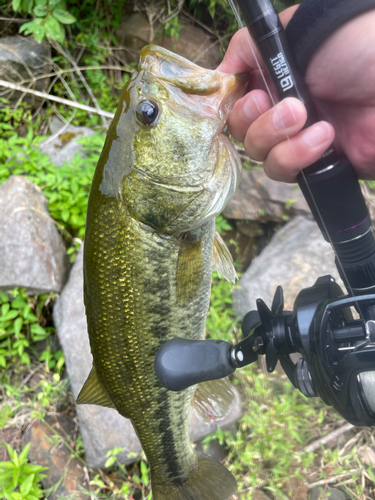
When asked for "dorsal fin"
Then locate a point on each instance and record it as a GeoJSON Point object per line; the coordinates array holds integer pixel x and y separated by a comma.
{"type": "Point", "coordinates": [93, 392]}
{"type": "Point", "coordinates": [222, 261]}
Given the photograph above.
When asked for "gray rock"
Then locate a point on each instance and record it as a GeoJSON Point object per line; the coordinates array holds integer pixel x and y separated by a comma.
{"type": "Point", "coordinates": [62, 146]}
{"type": "Point", "coordinates": [328, 493]}
{"type": "Point", "coordinates": [296, 256]}
{"type": "Point", "coordinates": [32, 253]}
{"type": "Point", "coordinates": [260, 198]}
{"type": "Point", "coordinates": [102, 429]}
{"type": "Point", "coordinates": [24, 59]}
{"type": "Point", "coordinates": [193, 42]}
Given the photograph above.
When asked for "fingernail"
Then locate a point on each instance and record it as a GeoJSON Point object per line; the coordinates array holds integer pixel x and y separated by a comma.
{"type": "Point", "coordinates": [316, 135]}
{"type": "Point", "coordinates": [283, 116]}
{"type": "Point", "coordinates": [251, 108]}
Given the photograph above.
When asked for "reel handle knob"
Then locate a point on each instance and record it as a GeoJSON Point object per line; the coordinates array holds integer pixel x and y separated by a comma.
{"type": "Point", "coordinates": [181, 363]}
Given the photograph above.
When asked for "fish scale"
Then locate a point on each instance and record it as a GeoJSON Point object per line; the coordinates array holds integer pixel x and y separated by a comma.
{"type": "Point", "coordinates": [148, 259]}
{"type": "Point", "coordinates": [115, 301]}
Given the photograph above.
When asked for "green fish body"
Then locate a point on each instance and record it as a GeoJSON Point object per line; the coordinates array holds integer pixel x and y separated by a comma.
{"type": "Point", "coordinates": [165, 171]}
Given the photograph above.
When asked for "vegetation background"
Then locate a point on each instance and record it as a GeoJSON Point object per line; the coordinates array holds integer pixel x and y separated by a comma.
{"type": "Point", "coordinates": [268, 451]}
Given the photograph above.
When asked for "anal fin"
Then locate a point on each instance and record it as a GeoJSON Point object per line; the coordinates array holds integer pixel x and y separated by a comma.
{"type": "Point", "coordinates": [222, 261]}
{"type": "Point", "coordinates": [214, 400]}
{"type": "Point", "coordinates": [93, 392]}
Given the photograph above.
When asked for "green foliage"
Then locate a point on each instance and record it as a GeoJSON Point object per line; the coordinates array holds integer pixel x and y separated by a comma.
{"type": "Point", "coordinates": [49, 18]}
{"type": "Point", "coordinates": [221, 322]}
{"type": "Point", "coordinates": [138, 480]}
{"type": "Point", "coordinates": [18, 479]}
{"type": "Point", "coordinates": [265, 451]}
{"type": "Point", "coordinates": [66, 187]}
{"type": "Point", "coordinates": [222, 224]}
{"type": "Point", "coordinates": [20, 325]}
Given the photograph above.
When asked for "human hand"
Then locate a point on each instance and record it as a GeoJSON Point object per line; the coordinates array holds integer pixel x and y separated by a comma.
{"type": "Point", "coordinates": [340, 77]}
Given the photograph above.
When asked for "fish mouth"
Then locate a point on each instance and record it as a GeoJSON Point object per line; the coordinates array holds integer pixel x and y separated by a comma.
{"type": "Point", "coordinates": [219, 90]}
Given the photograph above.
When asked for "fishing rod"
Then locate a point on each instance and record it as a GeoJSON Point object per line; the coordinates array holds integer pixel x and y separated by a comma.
{"type": "Point", "coordinates": [337, 351]}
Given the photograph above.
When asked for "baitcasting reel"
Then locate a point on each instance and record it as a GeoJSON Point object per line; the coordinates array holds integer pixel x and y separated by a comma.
{"type": "Point", "coordinates": [337, 360]}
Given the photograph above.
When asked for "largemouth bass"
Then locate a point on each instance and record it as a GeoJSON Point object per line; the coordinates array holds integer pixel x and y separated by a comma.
{"type": "Point", "coordinates": [165, 172]}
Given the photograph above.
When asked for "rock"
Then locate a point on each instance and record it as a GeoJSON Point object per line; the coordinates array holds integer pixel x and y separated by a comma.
{"type": "Point", "coordinates": [260, 198]}
{"type": "Point", "coordinates": [32, 252]}
{"type": "Point", "coordinates": [62, 147]}
{"type": "Point", "coordinates": [193, 42]}
{"type": "Point", "coordinates": [327, 493]}
{"type": "Point", "coordinates": [367, 455]}
{"type": "Point", "coordinates": [48, 449]}
{"type": "Point", "coordinates": [214, 450]}
{"type": "Point", "coordinates": [102, 429]}
{"type": "Point", "coordinates": [296, 256]}
{"type": "Point", "coordinates": [297, 489]}
{"type": "Point", "coordinates": [259, 495]}
{"type": "Point", "coordinates": [22, 59]}
{"type": "Point", "coordinates": [11, 436]}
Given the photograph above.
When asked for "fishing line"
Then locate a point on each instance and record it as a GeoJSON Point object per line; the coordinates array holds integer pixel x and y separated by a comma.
{"type": "Point", "coordinates": [248, 38]}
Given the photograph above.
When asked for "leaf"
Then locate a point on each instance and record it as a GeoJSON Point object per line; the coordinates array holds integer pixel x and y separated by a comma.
{"type": "Point", "coordinates": [33, 469]}
{"type": "Point", "coordinates": [3, 363]}
{"type": "Point", "coordinates": [7, 465]}
{"type": "Point", "coordinates": [40, 11]}
{"type": "Point", "coordinates": [16, 5]}
{"type": "Point", "coordinates": [16, 475]}
{"type": "Point", "coordinates": [11, 453]}
{"type": "Point", "coordinates": [53, 3]}
{"type": "Point", "coordinates": [54, 29]}
{"type": "Point", "coordinates": [8, 495]}
{"type": "Point", "coordinates": [4, 309]}
{"type": "Point", "coordinates": [35, 28]}
{"type": "Point", "coordinates": [110, 461]}
{"type": "Point", "coordinates": [4, 478]}
{"type": "Point", "coordinates": [25, 358]}
{"type": "Point", "coordinates": [27, 5]}
{"type": "Point", "coordinates": [26, 485]}
{"type": "Point", "coordinates": [41, 3]}
{"type": "Point", "coordinates": [144, 473]}
{"type": "Point", "coordinates": [65, 214]}
{"type": "Point", "coordinates": [4, 297]}
{"type": "Point", "coordinates": [63, 16]}
{"type": "Point", "coordinates": [13, 313]}
{"type": "Point", "coordinates": [18, 323]}
{"type": "Point", "coordinates": [19, 302]}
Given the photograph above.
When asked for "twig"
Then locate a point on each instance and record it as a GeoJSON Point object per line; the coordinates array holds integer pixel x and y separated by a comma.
{"type": "Point", "coordinates": [83, 79]}
{"type": "Point", "coordinates": [323, 482]}
{"type": "Point", "coordinates": [14, 20]}
{"type": "Point", "coordinates": [211, 46]}
{"type": "Point", "coordinates": [329, 437]}
{"type": "Point", "coordinates": [44, 95]}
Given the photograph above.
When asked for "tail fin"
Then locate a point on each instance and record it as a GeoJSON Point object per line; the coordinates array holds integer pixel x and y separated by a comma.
{"type": "Point", "coordinates": [209, 481]}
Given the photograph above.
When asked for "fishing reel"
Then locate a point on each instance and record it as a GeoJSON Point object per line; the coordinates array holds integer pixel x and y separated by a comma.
{"type": "Point", "coordinates": [337, 360]}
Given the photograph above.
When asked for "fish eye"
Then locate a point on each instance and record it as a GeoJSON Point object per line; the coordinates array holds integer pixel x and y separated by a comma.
{"type": "Point", "coordinates": [147, 112]}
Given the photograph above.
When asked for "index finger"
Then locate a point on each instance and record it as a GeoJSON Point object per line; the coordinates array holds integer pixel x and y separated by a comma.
{"type": "Point", "coordinates": [239, 57]}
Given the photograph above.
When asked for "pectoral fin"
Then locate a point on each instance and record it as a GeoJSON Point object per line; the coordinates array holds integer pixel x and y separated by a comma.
{"type": "Point", "coordinates": [93, 392]}
{"type": "Point", "coordinates": [190, 270]}
{"type": "Point", "coordinates": [222, 261]}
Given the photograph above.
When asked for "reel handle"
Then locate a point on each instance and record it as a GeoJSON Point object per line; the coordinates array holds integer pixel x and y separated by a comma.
{"type": "Point", "coordinates": [181, 363]}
